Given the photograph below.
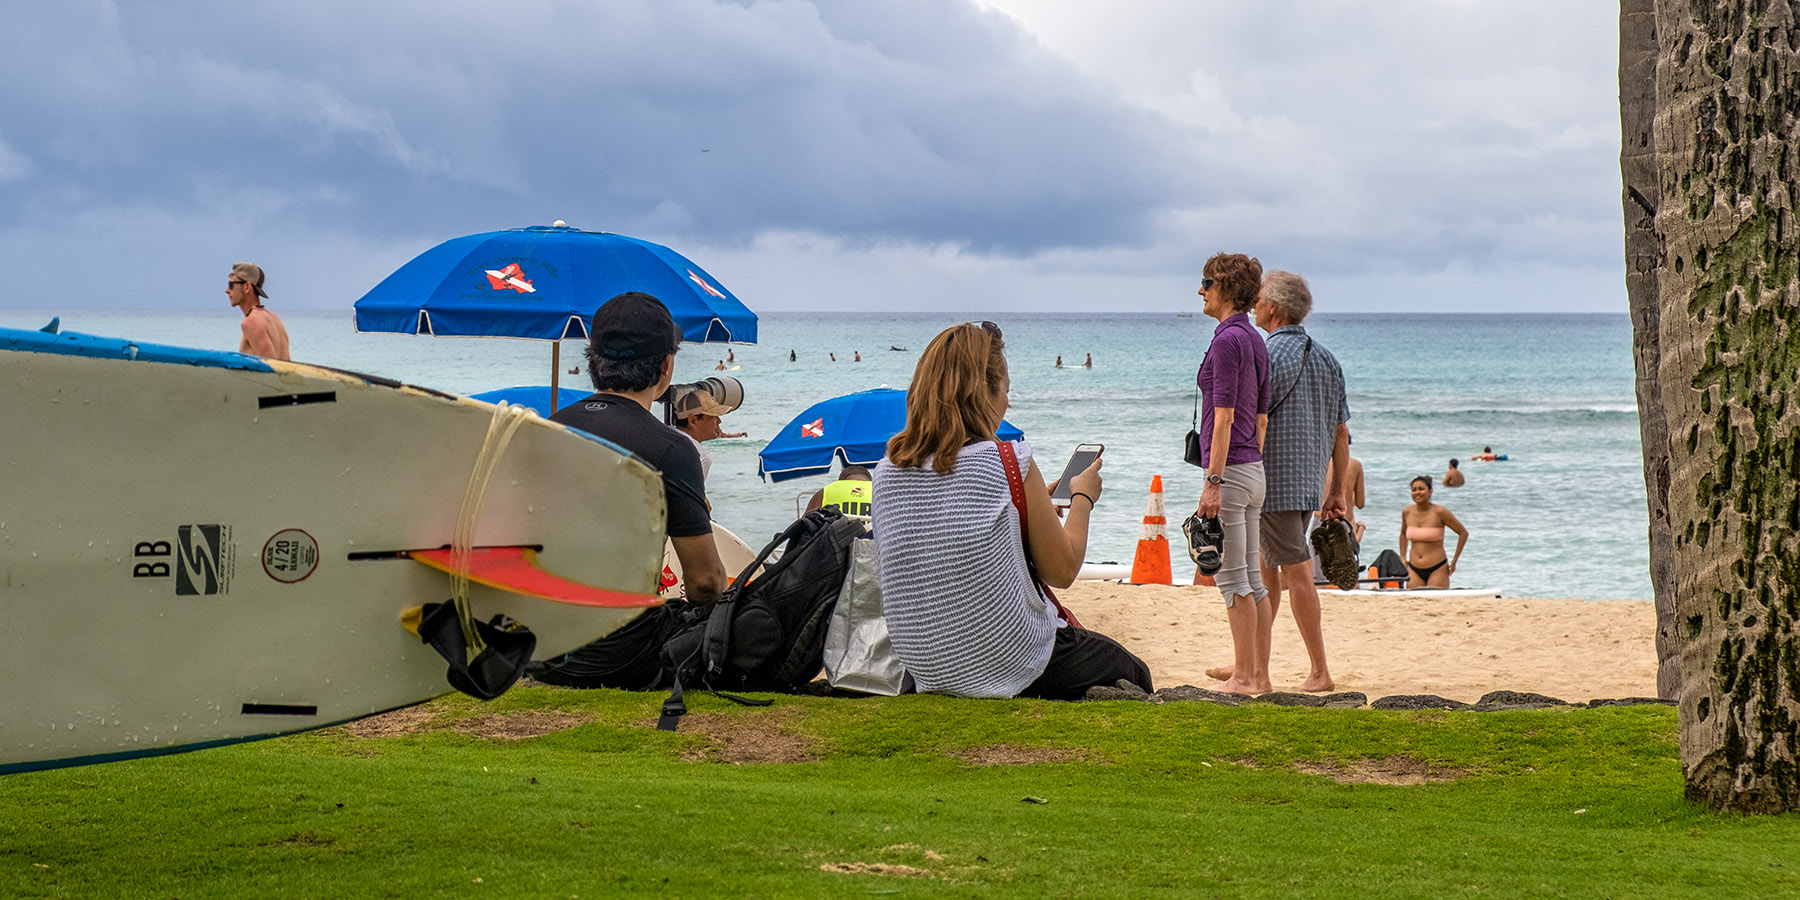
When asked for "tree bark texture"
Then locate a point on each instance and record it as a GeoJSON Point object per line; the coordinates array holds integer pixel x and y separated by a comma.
{"type": "Point", "coordinates": [1643, 268]}
{"type": "Point", "coordinates": [1727, 141]}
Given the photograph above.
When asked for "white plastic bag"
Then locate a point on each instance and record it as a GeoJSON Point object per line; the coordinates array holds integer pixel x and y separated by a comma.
{"type": "Point", "coordinates": [858, 655]}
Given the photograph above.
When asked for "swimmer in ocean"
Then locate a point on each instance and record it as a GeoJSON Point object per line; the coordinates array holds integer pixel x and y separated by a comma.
{"type": "Point", "coordinates": [1453, 477]}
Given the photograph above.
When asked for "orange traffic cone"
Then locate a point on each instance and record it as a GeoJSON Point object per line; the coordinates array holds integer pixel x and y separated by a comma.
{"type": "Point", "coordinates": [1151, 564]}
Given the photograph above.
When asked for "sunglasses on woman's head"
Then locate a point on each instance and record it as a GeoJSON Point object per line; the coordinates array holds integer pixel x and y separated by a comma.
{"type": "Point", "coordinates": [988, 327]}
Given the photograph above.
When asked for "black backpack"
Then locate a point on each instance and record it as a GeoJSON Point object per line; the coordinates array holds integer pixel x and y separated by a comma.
{"type": "Point", "coordinates": [1390, 568]}
{"type": "Point", "coordinates": [629, 659]}
{"type": "Point", "coordinates": [767, 633]}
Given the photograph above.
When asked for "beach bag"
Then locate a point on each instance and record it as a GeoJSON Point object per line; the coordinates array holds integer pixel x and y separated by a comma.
{"type": "Point", "coordinates": [767, 633]}
{"type": "Point", "coordinates": [1391, 569]}
{"type": "Point", "coordinates": [858, 655]}
{"type": "Point", "coordinates": [1190, 445]}
{"type": "Point", "coordinates": [629, 659]}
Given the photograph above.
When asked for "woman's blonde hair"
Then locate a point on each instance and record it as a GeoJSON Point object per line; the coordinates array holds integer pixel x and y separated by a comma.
{"type": "Point", "coordinates": [951, 400]}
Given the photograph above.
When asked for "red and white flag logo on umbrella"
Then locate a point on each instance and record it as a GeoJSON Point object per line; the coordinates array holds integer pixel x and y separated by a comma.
{"type": "Point", "coordinates": [815, 428]}
{"type": "Point", "coordinates": [704, 286]}
{"type": "Point", "coordinates": [511, 278]}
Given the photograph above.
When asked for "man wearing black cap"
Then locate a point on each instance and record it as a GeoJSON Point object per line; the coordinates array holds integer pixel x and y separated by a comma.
{"type": "Point", "coordinates": [631, 359]}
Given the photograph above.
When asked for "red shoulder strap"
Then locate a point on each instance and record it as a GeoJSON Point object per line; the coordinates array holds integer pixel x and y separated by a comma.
{"type": "Point", "coordinates": [1015, 482]}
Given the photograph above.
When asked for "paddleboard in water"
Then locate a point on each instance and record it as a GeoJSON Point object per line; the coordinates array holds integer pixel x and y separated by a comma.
{"type": "Point", "coordinates": [199, 548]}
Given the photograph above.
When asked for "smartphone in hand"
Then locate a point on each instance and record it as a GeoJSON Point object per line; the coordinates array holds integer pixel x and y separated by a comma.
{"type": "Point", "coordinates": [1084, 456]}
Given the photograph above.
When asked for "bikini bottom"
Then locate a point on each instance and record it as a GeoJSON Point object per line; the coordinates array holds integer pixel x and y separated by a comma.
{"type": "Point", "coordinates": [1426, 573]}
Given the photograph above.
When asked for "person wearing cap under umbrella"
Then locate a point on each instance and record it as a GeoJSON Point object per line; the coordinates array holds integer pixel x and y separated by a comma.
{"type": "Point", "coordinates": [264, 335]}
{"type": "Point", "coordinates": [631, 359]}
{"type": "Point", "coordinates": [698, 415]}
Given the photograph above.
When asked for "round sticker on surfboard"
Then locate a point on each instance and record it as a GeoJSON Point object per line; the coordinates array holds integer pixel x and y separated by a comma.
{"type": "Point", "coordinates": [290, 556]}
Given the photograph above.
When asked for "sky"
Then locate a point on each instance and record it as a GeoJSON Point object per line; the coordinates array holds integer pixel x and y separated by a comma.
{"type": "Point", "coordinates": [992, 155]}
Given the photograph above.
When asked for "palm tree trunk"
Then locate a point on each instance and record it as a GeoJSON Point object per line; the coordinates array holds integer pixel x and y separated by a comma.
{"type": "Point", "coordinates": [1727, 153]}
{"type": "Point", "coordinates": [1643, 268]}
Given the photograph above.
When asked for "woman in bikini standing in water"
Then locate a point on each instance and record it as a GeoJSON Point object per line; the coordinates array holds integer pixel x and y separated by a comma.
{"type": "Point", "coordinates": [1422, 538]}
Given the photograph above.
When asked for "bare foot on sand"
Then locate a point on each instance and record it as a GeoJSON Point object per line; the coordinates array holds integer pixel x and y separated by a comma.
{"type": "Point", "coordinates": [1233, 686]}
{"type": "Point", "coordinates": [1313, 685]}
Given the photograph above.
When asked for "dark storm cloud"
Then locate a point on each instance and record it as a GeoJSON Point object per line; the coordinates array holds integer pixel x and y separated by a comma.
{"type": "Point", "coordinates": [923, 121]}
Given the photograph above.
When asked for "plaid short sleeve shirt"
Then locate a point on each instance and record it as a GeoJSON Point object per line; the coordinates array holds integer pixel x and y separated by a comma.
{"type": "Point", "coordinates": [1302, 427]}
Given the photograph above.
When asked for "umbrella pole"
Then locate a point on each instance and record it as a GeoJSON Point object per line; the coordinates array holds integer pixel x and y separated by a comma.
{"type": "Point", "coordinates": [555, 370]}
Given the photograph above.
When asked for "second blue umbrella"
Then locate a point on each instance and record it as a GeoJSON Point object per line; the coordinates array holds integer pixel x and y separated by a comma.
{"type": "Point", "coordinates": [853, 429]}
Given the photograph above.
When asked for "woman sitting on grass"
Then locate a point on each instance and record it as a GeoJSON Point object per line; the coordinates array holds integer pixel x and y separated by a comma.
{"type": "Point", "coordinates": [962, 610]}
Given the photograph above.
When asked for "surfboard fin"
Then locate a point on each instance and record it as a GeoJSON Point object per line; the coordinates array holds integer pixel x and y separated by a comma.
{"type": "Point", "coordinates": [516, 569]}
{"type": "Point", "coordinates": [55, 326]}
{"type": "Point", "coordinates": [410, 618]}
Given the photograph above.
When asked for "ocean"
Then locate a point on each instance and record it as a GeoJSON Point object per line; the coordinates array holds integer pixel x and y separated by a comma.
{"type": "Point", "coordinates": [1564, 516]}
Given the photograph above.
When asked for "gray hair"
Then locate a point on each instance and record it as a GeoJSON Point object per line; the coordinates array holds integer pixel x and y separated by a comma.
{"type": "Point", "coordinates": [1289, 293]}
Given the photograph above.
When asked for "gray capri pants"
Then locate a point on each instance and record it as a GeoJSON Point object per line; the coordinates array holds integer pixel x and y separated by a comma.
{"type": "Point", "coordinates": [1240, 511]}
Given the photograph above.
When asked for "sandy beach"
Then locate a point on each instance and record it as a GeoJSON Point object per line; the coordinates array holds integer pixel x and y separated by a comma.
{"type": "Point", "coordinates": [1575, 650]}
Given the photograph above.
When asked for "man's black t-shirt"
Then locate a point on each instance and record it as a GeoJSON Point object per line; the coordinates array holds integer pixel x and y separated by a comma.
{"type": "Point", "coordinates": [622, 421]}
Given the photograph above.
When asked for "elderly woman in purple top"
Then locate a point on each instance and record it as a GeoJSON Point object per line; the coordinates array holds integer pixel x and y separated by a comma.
{"type": "Point", "coordinates": [1234, 390]}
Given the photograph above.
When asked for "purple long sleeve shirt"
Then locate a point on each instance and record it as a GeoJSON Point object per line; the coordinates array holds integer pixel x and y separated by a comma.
{"type": "Point", "coordinates": [1234, 375]}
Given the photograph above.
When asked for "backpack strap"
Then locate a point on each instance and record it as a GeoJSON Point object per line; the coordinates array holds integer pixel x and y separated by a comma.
{"type": "Point", "coordinates": [715, 647]}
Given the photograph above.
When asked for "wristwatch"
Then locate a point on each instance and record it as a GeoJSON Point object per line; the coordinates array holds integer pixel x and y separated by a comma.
{"type": "Point", "coordinates": [1214, 479]}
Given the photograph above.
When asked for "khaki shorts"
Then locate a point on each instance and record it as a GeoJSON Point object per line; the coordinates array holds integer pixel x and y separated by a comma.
{"type": "Point", "coordinates": [1284, 537]}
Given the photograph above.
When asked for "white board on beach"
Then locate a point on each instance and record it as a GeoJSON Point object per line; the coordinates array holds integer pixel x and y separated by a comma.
{"type": "Point", "coordinates": [199, 548]}
{"type": "Point", "coordinates": [1103, 571]}
{"type": "Point", "coordinates": [733, 553]}
{"type": "Point", "coordinates": [1440, 593]}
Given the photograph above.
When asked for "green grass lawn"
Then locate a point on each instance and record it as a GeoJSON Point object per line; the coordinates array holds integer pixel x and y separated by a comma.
{"type": "Point", "coordinates": [911, 796]}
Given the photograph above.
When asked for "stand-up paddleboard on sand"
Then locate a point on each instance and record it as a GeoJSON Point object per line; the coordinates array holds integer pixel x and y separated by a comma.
{"type": "Point", "coordinates": [199, 548]}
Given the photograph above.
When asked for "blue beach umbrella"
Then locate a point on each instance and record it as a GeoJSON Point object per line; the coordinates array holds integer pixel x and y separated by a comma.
{"type": "Point", "coordinates": [543, 283]}
{"type": "Point", "coordinates": [853, 428]}
{"type": "Point", "coordinates": [535, 396]}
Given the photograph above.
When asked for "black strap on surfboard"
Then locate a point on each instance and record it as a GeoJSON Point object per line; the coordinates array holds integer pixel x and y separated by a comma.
{"type": "Point", "coordinates": [507, 649]}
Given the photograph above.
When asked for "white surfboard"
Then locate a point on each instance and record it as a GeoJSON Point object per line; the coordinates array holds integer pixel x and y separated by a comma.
{"type": "Point", "coordinates": [1103, 571]}
{"type": "Point", "coordinates": [1459, 593]}
{"type": "Point", "coordinates": [198, 548]}
{"type": "Point", "coordinates": [733, 553]}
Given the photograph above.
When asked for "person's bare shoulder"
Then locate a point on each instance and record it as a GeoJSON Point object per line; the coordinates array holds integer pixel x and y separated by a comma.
{"type": "Point", "coordinates": [258, 336]}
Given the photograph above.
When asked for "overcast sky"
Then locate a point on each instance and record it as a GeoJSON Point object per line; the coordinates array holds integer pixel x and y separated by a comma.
{"type": "Point", "coordinates": [1005, 155]}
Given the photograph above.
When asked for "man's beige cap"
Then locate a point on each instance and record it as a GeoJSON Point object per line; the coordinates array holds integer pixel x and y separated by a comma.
{"type": "Point", "coordinates": [252, 273]}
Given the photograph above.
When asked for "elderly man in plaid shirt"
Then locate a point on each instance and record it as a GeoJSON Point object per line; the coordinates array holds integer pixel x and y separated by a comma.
{"type": "Point", "coordinates": [1309, 417]}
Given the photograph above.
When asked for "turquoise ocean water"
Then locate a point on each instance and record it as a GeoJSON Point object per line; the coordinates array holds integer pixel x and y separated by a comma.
{"type": "Point", "coordinates": [1564, 517]}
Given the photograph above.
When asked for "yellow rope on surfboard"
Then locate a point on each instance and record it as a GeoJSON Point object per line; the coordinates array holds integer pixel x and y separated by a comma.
{"type": "Point", "coordinates": [506, 420]}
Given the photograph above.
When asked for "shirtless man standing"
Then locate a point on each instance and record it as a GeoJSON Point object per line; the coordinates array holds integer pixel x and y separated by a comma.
{"type": "Point", "coordinates": [264, 335]}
